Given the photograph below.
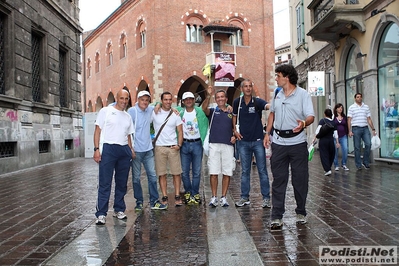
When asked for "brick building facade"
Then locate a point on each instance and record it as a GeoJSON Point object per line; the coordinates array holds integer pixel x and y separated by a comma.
{"type": "Point", "coordinates": [40, 90]}
{"type": "Point", "coordinates": [162, 46]}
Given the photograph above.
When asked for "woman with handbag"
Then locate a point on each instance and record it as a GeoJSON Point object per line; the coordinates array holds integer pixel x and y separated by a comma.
{"type": "Point", "coordinates": [342, 129]}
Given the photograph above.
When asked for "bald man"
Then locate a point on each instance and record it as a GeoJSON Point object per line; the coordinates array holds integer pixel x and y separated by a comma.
{"type": "Point", "coordinates": [113, 129]}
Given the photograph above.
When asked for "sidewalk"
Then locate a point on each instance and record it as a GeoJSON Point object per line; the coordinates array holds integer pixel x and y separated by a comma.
{"type": "Point", "coordinates": [48, 218]}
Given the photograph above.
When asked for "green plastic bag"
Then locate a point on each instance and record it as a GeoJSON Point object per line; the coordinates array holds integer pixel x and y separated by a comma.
{"type": "Point", "coordinates": [311, 152]}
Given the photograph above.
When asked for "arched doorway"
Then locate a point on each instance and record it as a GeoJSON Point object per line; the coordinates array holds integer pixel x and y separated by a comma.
{"type": "Point", "coordinates": [195, 85]}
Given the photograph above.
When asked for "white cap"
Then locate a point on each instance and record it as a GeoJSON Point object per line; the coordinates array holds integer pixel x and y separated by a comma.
{"type": "Point", "coordinates": [143, 93]}
{"type": "Point", "coordinates": [188, 94]}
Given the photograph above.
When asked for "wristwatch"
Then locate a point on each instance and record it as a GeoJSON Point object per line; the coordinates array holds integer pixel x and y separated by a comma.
{"type": "Point", "coordinates": [96, 148]}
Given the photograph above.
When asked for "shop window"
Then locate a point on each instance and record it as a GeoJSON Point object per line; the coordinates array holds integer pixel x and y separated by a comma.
{"type": "Point", "coordinates": [388, 88]}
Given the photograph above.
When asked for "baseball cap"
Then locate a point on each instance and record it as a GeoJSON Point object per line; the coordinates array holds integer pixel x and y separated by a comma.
{"type": "Point", "coordinates": [143, 93]}
{"type": "Point", "coordinates": [188, 94]}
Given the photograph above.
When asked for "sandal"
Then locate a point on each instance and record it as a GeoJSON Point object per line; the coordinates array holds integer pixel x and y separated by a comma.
{"type": "Point", "coordinates": [165, 200]}
{"type": "Point", "coordinates": [178, 201]}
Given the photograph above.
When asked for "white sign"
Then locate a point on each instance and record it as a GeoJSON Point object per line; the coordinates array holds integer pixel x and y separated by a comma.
{"type": "Point", "coordinates": [89, 120]}
{"type": "Point", "coordinates": [316, 86]}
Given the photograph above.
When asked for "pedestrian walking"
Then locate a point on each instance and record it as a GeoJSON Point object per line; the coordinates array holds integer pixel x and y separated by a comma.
{"type": "Point", "coordinates": [291, 112]}
{"type": "Point", "coordinates": [327, 134]}
{"type": "Point", "coordinates": [248, 129]}
{"type": "Point", "coordinates": [144, 155]}
{"type": "Point", "coordinates": [167, 147]}
{"type": "Point", "coordinates": [359, 118]}
{"type": "Point", "coordinates": [341, 122]}
{"type": "Point", "coordinates": [113, 152]}
{"type": "Point", "coordinates": [195, 127]}
{"type": "Point", "coordinates": [221, 145]}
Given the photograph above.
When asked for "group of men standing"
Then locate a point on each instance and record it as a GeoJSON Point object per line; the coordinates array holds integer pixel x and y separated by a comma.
{"type": "Point", "coordinates": [179, 147]}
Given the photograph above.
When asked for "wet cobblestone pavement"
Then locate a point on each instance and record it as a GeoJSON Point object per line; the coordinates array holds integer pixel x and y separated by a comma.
{"type": "Point", "coordinates": [173, 237]}
{"type": "Point", "coordinates": [45, 209]}
{"type": "Point", "coordinates": [347, 208]}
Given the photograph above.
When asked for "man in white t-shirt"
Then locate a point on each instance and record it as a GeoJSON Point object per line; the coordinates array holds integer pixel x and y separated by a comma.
{"type": "Point", "coordinates": [113, 129]}
{"type": "Point", "coordinates": [167, 147]}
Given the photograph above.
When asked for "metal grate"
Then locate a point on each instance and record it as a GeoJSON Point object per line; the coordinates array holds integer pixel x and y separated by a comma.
{"type": "Point", "coordinates": [7, 149]}
{"type": "Point", "coordinates": [2, 52]}
{"type": "Point", "coordinates": [63, 100]}
{"type": "Point", "coordinates": [44, 146]}
{"type": "Point", "coordinates": [36, 91]}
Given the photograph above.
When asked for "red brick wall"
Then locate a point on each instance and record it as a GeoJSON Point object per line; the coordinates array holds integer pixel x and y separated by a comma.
{"type": "Point", "coordinates": [165, 31]}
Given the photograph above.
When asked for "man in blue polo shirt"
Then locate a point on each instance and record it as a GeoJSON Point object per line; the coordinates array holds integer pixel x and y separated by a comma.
{"type": "Point", "coordinates": [248, 129]}
{"type": "Point", "coordinates": [141, 116]}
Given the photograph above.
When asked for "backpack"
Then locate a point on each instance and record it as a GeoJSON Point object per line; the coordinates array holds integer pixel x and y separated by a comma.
{"type": "Point", "coordinates": [325, 129]}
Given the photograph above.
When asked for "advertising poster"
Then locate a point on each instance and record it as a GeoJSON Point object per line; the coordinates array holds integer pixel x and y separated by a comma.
{"type": "Point", "coordinates": [316, 86]}
{"type": "Point", "coordinates": [225, 69]}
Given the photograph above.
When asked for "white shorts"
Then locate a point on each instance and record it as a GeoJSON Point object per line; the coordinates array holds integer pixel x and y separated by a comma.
{"type": "Point", "coordinates": [221, 159]}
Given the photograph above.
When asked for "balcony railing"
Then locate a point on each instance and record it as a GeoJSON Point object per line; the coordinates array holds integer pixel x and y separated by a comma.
{"type": "Point", "coordinates": [322, 8]}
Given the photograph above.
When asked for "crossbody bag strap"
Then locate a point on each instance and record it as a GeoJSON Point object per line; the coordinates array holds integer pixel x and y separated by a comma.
{"type": "Point", "coordinates": [238, 111]}
{"type": "Point", "coordinates": [163, 125]}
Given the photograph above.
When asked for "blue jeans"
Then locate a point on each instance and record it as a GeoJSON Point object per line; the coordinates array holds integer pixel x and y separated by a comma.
{"type": "Point", "coordinates": [191, 157]}
{"type": "Point", "coordinates": [246, 149]}
{"type": "Point", "coordinates": [147, 159]}
{"type": "Point", "coordinates": [343, 142]}
{"type": "Point", "coordinates": [362, 133]}
{"type": "Point", "coordinates": [115, 162]}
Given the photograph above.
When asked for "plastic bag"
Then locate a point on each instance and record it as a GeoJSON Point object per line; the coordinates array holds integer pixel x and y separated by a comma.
{"type": "Point", "coordinates": [311, 152]}
{"type": "Point", "coordinates": [375, 142]}
{"type": "Point", "coordinates": [206, 144]}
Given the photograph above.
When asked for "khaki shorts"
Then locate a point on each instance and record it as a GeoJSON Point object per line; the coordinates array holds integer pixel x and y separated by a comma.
{"type": "Point", "coordinates": [167, 158]}
{"type": "Point", "coordinates": [221, 159]}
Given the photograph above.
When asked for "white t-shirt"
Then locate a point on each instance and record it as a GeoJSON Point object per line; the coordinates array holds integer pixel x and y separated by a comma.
{"type": "Point", "coordinates": [168, 134]}
{"type": "Point", "coordinates": [115, 125]}
{"type": "Point", "coordinates": [190, 125]}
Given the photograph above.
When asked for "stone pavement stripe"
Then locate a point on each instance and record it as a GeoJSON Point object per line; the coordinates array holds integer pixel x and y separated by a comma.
{"type": "Point", "coordinates": [228, 239]}
{"type": "Point", "coordinates": [96, 243]}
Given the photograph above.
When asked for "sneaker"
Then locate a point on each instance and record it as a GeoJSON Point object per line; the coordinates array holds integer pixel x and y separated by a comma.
{"type": "Point", "coordinates": [327, 173]}
{"type": "Point", "coordinates": [159, 206]}
{"type": "Point", "coordinates": [242, 202]}
{"type": "Point", "coordinates": [120, 215]}
{"type": "Point", "coordinates": [337, 168]}
{"type": "Point", "coordinates": [187, 197]}
{"type": "Point", "coordinates": [214, 202]}
{"type": "Point", "coordinates": [276, 224]}
{"type": "Point", "coordinates": [100, 220]}
{"type": "Point", "coordinates": [301, 219]}
{"type": "Point", "coordinates": [139, 207]}
{"type": "Point", "coordinates": [223, 202]}
{"type": "Point", "coordinates": [345, 168]}
{"type": "Point", "coordinates": [359, 168]}
{"type": "Point", "coordinates": [266, 203]}
{"type": "Point", "coordinates": [366, 166]}
{"type": "Point", "coordinates": [197, 198]}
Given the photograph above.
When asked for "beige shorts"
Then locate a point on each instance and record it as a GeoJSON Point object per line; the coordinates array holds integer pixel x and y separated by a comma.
{"type": "Point", "coordinates": [221, 159]}
{"type": "Point", "coordinates": [167, 158]}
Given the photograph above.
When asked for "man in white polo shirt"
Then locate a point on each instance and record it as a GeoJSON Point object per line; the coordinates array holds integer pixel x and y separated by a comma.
{"type": "Point", "coordinates": [359, 118]}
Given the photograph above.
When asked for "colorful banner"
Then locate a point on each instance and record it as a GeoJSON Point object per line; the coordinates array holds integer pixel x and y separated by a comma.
{"type": "Point", "coordinates": [225, 69]}
{"type": "Point", "coordinates": [316, 86]}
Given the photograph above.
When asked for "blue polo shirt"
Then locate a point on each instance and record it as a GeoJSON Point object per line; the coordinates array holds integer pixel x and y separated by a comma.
{"type": "Point", "coordinates": [250, 118]}
{"type": "Point", "coordinates": [221, 127]}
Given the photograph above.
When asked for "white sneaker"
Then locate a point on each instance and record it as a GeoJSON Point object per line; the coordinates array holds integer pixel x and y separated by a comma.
{"type": "Point", "coordinates": [345, 168]}
{"type": "Point", "coordinates": [223, 202]}
{"type": "Point", "coordinates": [100, 220]}
{"type": "Point", "coordinates": [327, 173]}
{"type": "Point", "coordinates": [337, 168]}
{"type": "Point", "coordinates": [301, 219]}
{"type": "Point", "coordinates": [120, 215]}
{"type": "Point", "coordinates": [214, 202]}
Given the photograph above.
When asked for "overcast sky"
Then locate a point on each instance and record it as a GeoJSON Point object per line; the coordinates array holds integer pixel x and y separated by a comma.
{"type": "Point", "coordinates": [94, 12]}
